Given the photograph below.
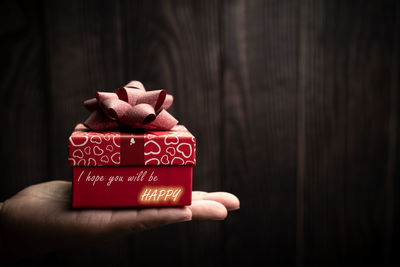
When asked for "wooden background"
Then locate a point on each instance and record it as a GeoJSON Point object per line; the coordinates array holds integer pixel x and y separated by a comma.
{"type": "Point", "coordinates": [295, 106]}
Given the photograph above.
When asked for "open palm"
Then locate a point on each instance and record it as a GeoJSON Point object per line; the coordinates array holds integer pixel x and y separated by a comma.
{"type": "Point", "coordinates": [40, 218]}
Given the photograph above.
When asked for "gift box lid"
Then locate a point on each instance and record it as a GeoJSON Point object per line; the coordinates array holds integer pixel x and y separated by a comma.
{"type": "Point", "coordinates": [131, 148]}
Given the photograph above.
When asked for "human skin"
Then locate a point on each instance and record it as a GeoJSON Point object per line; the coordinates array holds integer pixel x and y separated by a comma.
{"type": "Point", "coordinates": [40, 219]}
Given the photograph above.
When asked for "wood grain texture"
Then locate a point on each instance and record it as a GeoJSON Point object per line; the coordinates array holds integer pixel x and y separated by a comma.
{"type": "Point", "coordinates": [347, 99]}
{"type": "Point", "coordinates": [260, 96]}
{"type": "Point", "coordinates": [392, 235]}
{"type": "Point", "coordinates": [23, 94]}
{"type": "Point", "coordinates": [178, 48]}
{"type": "Point", "coordinates": [294, 104]}
{"type": "Point", "coordinates": [105, 44]}
{"type": "Point", "coordinates": [84, 53]}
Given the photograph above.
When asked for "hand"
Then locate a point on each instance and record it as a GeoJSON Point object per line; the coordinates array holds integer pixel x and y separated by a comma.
{"type": "Point", "coordinates": [40, 219]}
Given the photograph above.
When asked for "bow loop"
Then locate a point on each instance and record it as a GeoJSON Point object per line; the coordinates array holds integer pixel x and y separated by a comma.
{"type": "Point", "coordinates": [130, 95]}
{"type": "Point", "coordinates": [132, 106]}
{"type": "Point", "coordinates": [91, 104]}
{"type": "Point", "coordinates": [154, 98]}
{"type": "Point", "coordinates": [114, 108]}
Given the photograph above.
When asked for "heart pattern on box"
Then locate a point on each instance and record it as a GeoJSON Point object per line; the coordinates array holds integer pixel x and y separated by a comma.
{"type": "Point", "coordinates": [99, 149]}
{"type": "Point", "coordinates": [174, 149]}
{"type": "Point", "coordinates": [151, 148]}
{"type": "Point", "coordinates": [164, 159]}
{"type": "Point", "coordinates": [185, 149]}
{"type": "Point", "coordinates": [170, 151]}
{"type": "Point", "coordinates": [116, 158]}
{"type": "Point", "coordinates": [88, 148]}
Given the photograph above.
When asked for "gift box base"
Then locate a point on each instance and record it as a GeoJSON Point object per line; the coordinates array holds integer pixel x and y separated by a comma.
{"type": "Point", "coordinates": [131, 186]}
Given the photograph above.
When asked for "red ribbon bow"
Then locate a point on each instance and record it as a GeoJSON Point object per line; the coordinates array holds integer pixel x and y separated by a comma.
{"type": "Point", "coordinates": [132, 106]}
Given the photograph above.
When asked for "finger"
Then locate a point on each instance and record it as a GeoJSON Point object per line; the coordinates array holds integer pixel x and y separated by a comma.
{"type": "Point", "coordinates": [208, 210]}
{"type": "Point", "coordinates": [147, 218]}
{"type": "Point", "coordinates": [198, 195]}
{"type": "Point", "coordinates": [230, 201]}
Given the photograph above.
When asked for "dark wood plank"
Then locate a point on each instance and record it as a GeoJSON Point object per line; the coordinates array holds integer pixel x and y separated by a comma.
{"type": "Point", "coordinates": [392, 235]}
{"type": "Point", "coordinates": [346, 52]}
{"type": "Point", "coordinates": [85, 54]}
{"type": "Point", "coordinates": [163, 44]}
{"type": "Point", "coordinates": [295, 106]}
{"type": "Point", "coordinates": [260, 140]}
{"type": "Point", "coordinates": [23, 93]}
{"type": "Point", "coordinates": [176, 45]}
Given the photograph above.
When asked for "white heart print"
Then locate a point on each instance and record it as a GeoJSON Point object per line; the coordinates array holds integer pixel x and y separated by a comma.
{"type": "Point", "coordinates": [87, 150]}
{"type": "Point", "coordinates": [152, 152]}
{"type": "Point", "coordinates": [180, 151]}
{"type": "Point", "coordinates": [170, 150]}
{"type": "Point", "coordinates": [116, 158]}
{"type": "Point", "coordinates": [164, 159]}
{"type": "Point", "coordinates": [98, 151]}
{"type": "Point", "coordinates": [91, 162]}
{"type": "Point", "coordinates": [86, 138]}
{"type": "Point", "coordinates": [77, 154]}
{"type": "Point", "coordinates": [150, 160]}
{"type": "Point", "coordinates": [95, 139]}
{"type": "Point", "coordinates": [177, 161]}
{"type": "Point", "coordinates": [115, 142]}
{"type": "Point", "coordinates": [104, 159]}
{"type": "Point", "coordinates": [171, 143]}
{"type": "Point", "coordinates": [151, 136]}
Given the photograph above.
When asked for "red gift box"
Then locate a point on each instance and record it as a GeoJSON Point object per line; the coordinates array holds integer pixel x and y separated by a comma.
{"type": "Point", "coordinates": [132, 169]}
